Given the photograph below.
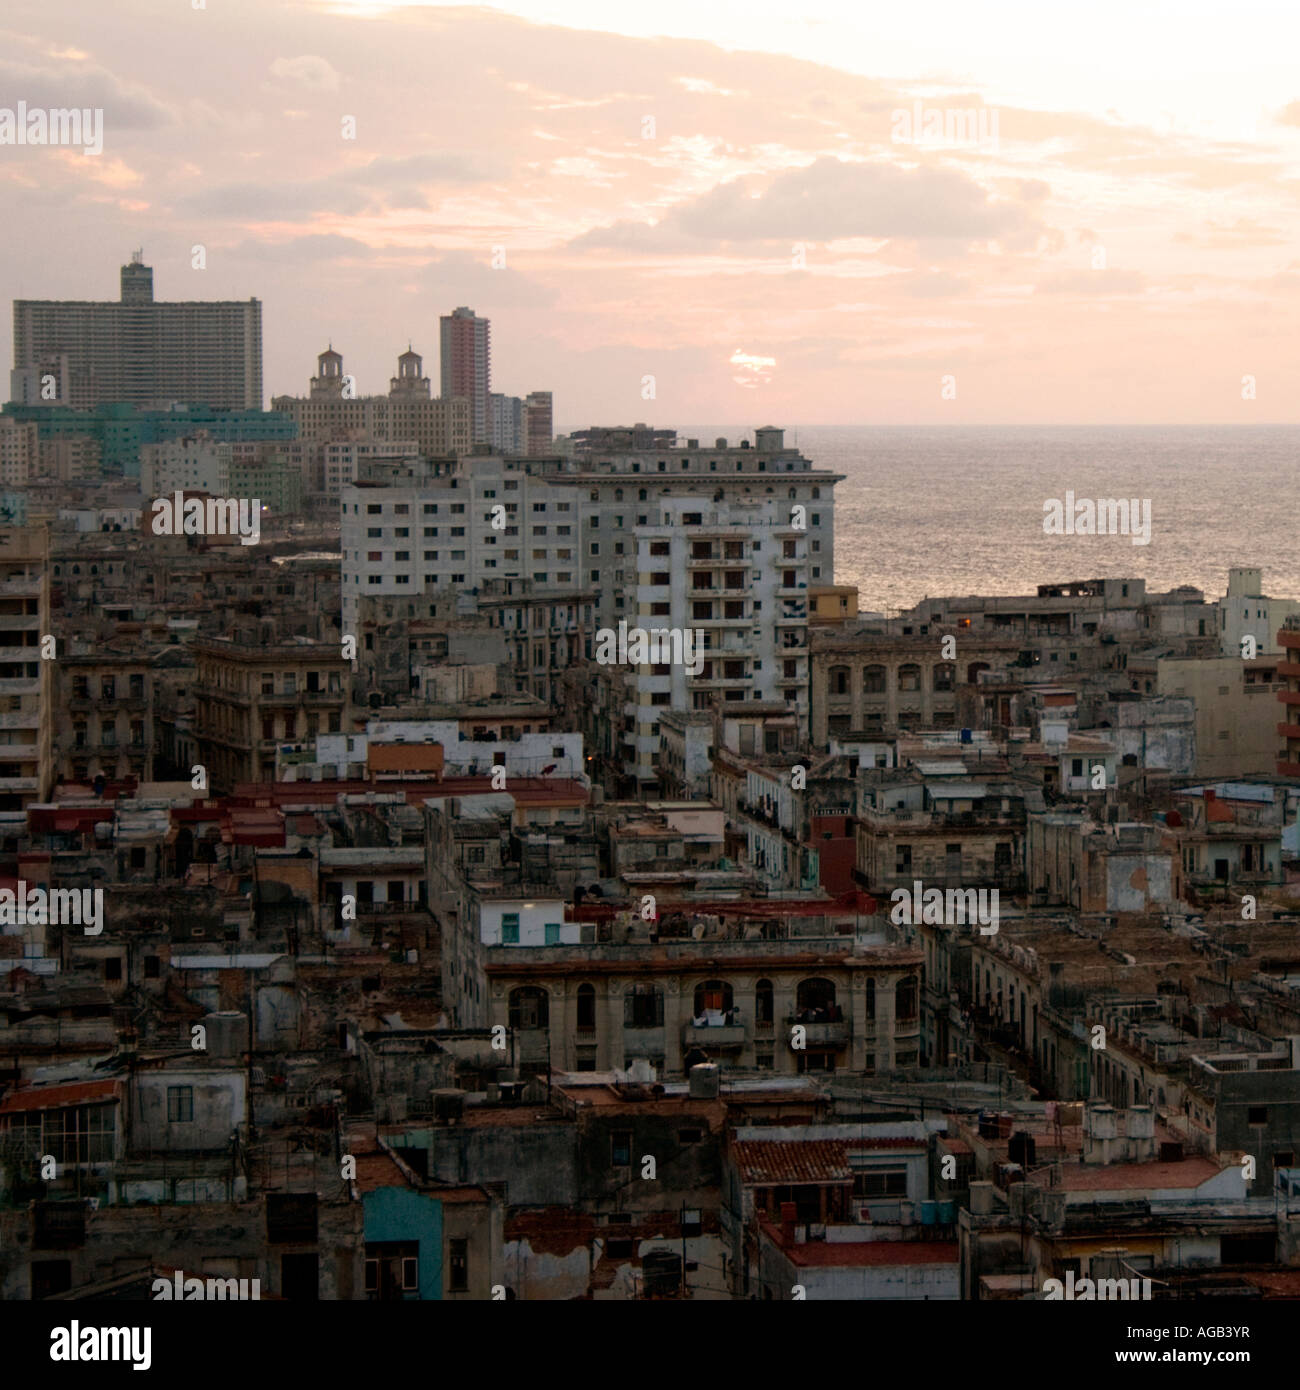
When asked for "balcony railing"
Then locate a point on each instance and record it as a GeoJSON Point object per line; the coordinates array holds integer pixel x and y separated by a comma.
{"type": "Point", "coordinates": [825, 1034]}
{"type": "Point", "coordinates": [717, 1035]}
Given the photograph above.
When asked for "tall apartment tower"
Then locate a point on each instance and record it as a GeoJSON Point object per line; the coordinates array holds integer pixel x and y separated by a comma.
{"type": "Point", "coordinates": [140, 350]}
{"type": "Point", "coordinates": [26, 765]}
{"type": "Point", "coordinates": [466, 366]}
{"type": "Point", "coordinates": [538, 422]}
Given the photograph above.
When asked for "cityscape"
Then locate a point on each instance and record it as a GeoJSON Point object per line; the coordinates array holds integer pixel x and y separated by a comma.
{"type": "Point", "coordinates": [470, 841]}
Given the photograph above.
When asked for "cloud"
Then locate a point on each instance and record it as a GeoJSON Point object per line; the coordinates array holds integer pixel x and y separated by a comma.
{"type": "Point", "coordinates": [314, 73]}
{"type": "Point", "coordinates": [385, 182]}
{"type": "Point", "coordinates": [1096, 282]}
{"type": "Point", "coordinates": [828, 200]}
{"type": "Point", "coordinates": [126, 106]}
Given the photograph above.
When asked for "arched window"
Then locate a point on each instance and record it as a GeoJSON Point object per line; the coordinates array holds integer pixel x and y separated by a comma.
{"type": "Point", "coordinates": [530, 1007]}
{"type": "Point", "coordinates": [586, 1009]}
{"type": "Point", "coordinates": [642, 495]}
{"type": "Point", "coordinates": [873, 680]}
{"type": "Point", "coordinates": [945, 676]}
{"type": "Point", "coordinates": [973, 671]}
{"type": "Point", "coordinates": [713, 996]}
{"type": "Point", "coordinates": [763, 1006]}
{"type": "Point", "coordinates": [618, 494]}
{"type": "Point", "coordinates": [839, 680]}
{"type": "Point", "coordinates": [792, 494]}
{"type": "Point", "coordinates": [909, 677]}
{"type": "Point", "coordinates": [905, 999]}
{"type": "Point", "coordinates": [814, 1002]}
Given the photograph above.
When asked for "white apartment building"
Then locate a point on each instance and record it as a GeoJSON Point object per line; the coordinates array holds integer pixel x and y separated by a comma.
{"type": "Point", "coordinates": [735, 574]}
{"type": "Point", "coordinates": [506, 431]}
{"type": "Point", "coordinates": [567, 540]}
{"type": "Point", "coordinates": [1245, 611]}
{"type": "Point", "coordinates": [190, 463]}
{"type": "Point", "coordinates": [416, 539]}
{"type": "Point", "coordinates": [343, 460]}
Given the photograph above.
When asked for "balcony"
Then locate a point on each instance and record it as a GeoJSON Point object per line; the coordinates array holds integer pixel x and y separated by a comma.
{"type": "Point", "coordinates": [724, 1036]}
{"type": "Point", "coordinates": [837, 1034]}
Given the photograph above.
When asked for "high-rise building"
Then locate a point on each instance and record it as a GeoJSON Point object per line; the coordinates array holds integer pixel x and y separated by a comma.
{"type": "Point", "coordinates": [26, 762]}
{"type": "Point", "coordinates": [506, 432]}
{"type": "Point", "coordinates": [568, 528]}
{"type": "Point", "coordinates": [466, 365]}
{"type": "Point", "coordinates": [538, 422]}
{"type": "Point", "coordinates": [139, 350]}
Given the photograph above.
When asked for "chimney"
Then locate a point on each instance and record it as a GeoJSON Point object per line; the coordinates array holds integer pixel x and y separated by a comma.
{"type": "Point", "coordinates": [1099, 1132]}
{"type": "Point", "coordinates": [981, 1199]}
{"type": "Point", "coordinates": [788, 1211]}
{"type": "Point", "coordinates": [1140, 1126]}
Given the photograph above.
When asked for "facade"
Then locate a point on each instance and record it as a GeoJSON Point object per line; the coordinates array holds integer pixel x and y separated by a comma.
{"type": "Point", "coordinates": [539, 428]}
{"type": "Point", "coordinates": [191, 463]}
{"type": "Point", "coordinates": [733, 575]}
{"type": "Point", "coordinates": [1236, 710]}
{"type": "Point", "coordinates": [408, 413]}
{"type": "Point", "coordinates": [466, 360]}
{"type": "Point", "coordinates": [26, 677]}
{"type": "Point", "coordinates": [1245, 612]}
{"type": "Point", "coordinates": [143, 351]}
{"type": "Point", "coordinates": [249, 697]}
{"type": "Point", "coordinates": [506, 430]}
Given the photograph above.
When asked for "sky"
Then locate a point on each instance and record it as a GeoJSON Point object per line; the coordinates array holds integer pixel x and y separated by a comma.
{"type": "Point", "coordinates": [710, 211]}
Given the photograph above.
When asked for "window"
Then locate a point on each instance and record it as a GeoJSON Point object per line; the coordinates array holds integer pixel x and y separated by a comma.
{"type": "Point", "coordinates": [458, 1266]}
{"type": "Point", "coordinates": [113, 968]}
{"type": "Point", "coordinates": [643, 1007]}
{"type": "Point", "coordinates": [586, 1009]}
{"type": "Point", "coordinates": [510, 929]}
{"type": "Point", "coordinates": [689, 1136]}
{"type": "Point", "coordinates": [529, 1007]}
{"type": "Point", "coordinates": [880, 1182]}
{"type": "Point", "coordinates": [620, 1148]}
{"type": "Point", "coordinates": [180, 1104]}
{"type": "Point", "coordinates": [712, 995]}
{"type": "Point", "coordinates": [1257, 1115]}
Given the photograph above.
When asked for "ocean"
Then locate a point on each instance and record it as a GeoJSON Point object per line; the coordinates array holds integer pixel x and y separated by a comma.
{"type": "Point", "coordinates": [949, 511]}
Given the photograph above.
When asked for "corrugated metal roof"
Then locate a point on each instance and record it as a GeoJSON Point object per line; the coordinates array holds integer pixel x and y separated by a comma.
{"type": "Point", "coordinates": [52, 1097]}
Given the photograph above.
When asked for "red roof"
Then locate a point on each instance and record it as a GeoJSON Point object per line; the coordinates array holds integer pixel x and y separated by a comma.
{"type": "Point", "coordinates": [51, 1097]}
{"type": "Point", "coordinates": [859, 1254]}
{"type": "Point", "coordinates": [765, 1162]}
{"type": "Point", "coordinates": [1111, 1177]}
